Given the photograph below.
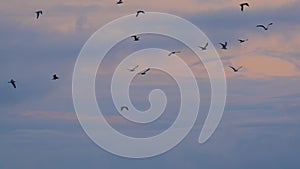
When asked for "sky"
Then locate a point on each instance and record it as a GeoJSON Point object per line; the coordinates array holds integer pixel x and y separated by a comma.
{"type": "Point", "coordinates": [261, 121]}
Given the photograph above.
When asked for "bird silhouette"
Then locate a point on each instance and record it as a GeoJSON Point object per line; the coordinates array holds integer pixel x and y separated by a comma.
{"type": "Point", "coordinates": [38, 13]}
{"type": "Point", "coordinates": [224, 45]}
{"type": "Point", "coordinates": [135, 38]}
{"type": "Point", "coordinates": [242, 40]}
{"type": "Point", "coordinates": [55, 77]}
{"type": "Point", "coordinates": [119, 2]}
{"type": "Point", "coordinates": [124, 107]}
{"type": "Point", "coordinates": [242, 5]}
{"type": "Point", "coordinates": [203, 47]}
{"type": "Point", "coordinates": [173, 53]}
{"type": "Point", "coordinates": [13, 83]}
{"type": "Point", "coordinates": [235, 69]}
{"type": "Point", "coordinates": [139, 12]}
{"type": "Point", "coordinates": [144, 72]}
{"type": "Point", "coordinates": [133, 69]}
{"type": "Point", "coordinates": [264, 27]}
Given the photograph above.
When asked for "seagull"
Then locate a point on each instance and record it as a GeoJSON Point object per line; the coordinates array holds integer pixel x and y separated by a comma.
{"type": "Point", "coordinates": [119, 2]}
{"type": "Point", "coordinates": [135, 38]}
{"type": "Point", "coordinates": [38, 13]}
{"type": "Point", "coordinates": [138, 12]}
{"type": "Point", "coordinates": [133, 69]}
{"type": "Point", "coordinates": [55, 77]}
{"type": "Point", "coordinates": [124, 107]}
{"type": "Point", "coordinates": [203, 47]}
{"type": "Point", "coordinates": [13, 82]}
{"type": "Point", "coordinates": [235, 69]}
{"type": "Point", "coordinates": [265, 27]}
{"type": "Point", "coordinates": [173, 53]}
{"type": "Point", "coordinates": [224, 45]}
{"type": "Point", "coordinates": [242, 5]}
{"type": "Point", "coordinates": [242, 40]}
{"type": "Point", "coordinates": [144, 72]}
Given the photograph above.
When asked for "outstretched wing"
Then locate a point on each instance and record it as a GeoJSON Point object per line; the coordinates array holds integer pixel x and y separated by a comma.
{"type": "Point", "coordinates": [138, 12]}
{"type": "Point", "coordinates": [242, 7]}
{"type": "Point", "coordinates": [124, 107]}
{"type": "Point", "coordinates": [14, 84]}
{"type": "Point", "coordinates": [261, 26]}
{"type": "Point", "coordinates": [136, 67]}
{"type": "Point", "coordinates": [133, 69]}
{"type": "Point", "coordinates": [232, 68]}
{"type": "Point", "coordinates": [37, 15]}
{"type": "Point", "coordinates": [206, 45]}
{"type": "Point", "coordinates": [145, 71]}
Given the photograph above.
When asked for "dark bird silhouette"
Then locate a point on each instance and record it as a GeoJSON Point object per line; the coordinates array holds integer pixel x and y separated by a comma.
{"type": "Point", "coordinates": [173, 53]}
{"type": "Point", "coordinates": [135, 38]}
{"type": "Point", "coordinates": [242, 40]}
{"type": "Point", "coordinates": [144, 72]}
{"type": "Point", "coordinates": [55, 77]}
{"type": "Point", "coordinates": [242, 5]}
{"type": "Point", "coordinates": [13, 83]}
{"type": "Point", "coordinates": [235, 69]}
{"type": "Point", "coordinates": [139, 12]}
{"type": "Point", "coordinates": [133, 69]}
{"type": "Point", "coordinates": [224, 45]}
{"type": "Point", "coordinates": [119, 2]}
{"type": "Point", "coordinates": [124, 107]}
{"type": "Point", "coordinates": [265, 27]}
{"type": "Point", "coordinates": [38, 13]}
{"type": "Point", "coordinates": [203, 47]}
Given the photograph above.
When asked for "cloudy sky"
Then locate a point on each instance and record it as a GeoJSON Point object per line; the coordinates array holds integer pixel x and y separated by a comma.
{"type": "Point", "coordinates": [260, 125]}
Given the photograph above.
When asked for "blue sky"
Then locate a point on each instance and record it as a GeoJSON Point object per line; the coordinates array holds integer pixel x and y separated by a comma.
{"type": "Point", "coordinates": [261, 122]}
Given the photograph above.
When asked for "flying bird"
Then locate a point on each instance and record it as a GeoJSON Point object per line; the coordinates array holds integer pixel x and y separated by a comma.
{"type": "Point", "coordinates": [265, 27]}
{"type": "Point", "coordinates": [139, 12]}
{"type": "Point", "coordinates": [133, 69]}
{"type": "Point", "coordinates": [144, 72]}
{"type": "Point", "coordinates": [13, 83]}
{"type": "Point", "coordinates": [173, 53]}
{"type": "Point", "coordinates": [38, 13]}
{"type": "Point", "coordinates": [224, 45]}
{"type": "Point", "coordinates": [135, 38]}
{"type": "Point", "coordinates": [55, 77]}
{"type": "Point", "coordinates": [119, 2]}
{"type": "Point", "coordinates": [124, 107]}
{"type": "Point", "coordinates": [235, 69]}
{"type": "Point", "coordinates": [242, 5]}
{"type": "Point", "coordinates": [242, 40]}
{"type": "Point", "coordinates": [203, 47]}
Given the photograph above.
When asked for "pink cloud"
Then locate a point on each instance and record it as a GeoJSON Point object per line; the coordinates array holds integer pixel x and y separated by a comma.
{"type": "Point", "coordinates": [70, 116]}
{"type": "Point", "coordinates": [257, 67]}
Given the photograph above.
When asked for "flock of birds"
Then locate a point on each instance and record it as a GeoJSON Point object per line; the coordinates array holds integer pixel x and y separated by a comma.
{"type": "Point", "coordinates": [223, 45]}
